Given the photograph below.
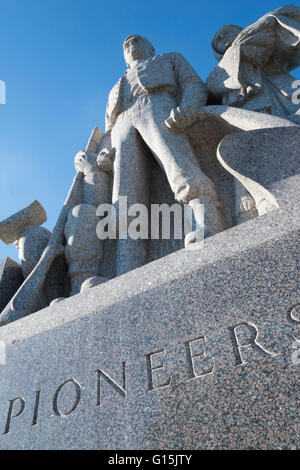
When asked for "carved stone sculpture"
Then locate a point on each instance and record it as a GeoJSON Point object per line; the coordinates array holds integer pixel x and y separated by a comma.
{"type": "Point", "coordinates": [254, 63]}
{"type": "Point", "coordinates": [265, 172]}
{"type": "Point", "coordinates": [12, 228]}
{"type": "Point", "coordinates": [26, 300]}
{"type": "Point", "coordinates": [156, 96]}
{"type": "Point", "coordinates": [84, 250]}
{"type": "Point", "coordinates": [11, 278]}
{"type": "Point", "coordinates": [164, 143]}
{"type": "Point", "coordinates": [254, 73]}
{"type": "Point", "coordinates": [23, 228]}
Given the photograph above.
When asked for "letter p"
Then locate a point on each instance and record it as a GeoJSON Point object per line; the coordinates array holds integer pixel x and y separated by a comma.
{"type": "Point", "coordinates": [10, 412]}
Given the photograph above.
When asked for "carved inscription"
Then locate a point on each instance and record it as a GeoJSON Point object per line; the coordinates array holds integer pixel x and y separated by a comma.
{"type": "Point", "coordinates": [120, 389]}
{"type": "Point", "coordinates": [200, 365]}
{"type": "Point", "coordinates": [251, 342]}
{"type": "Point", "coordinates": [244, 338]}
{"type": "Point", "coordinates": [36, 408]}
{"type": "Point", "coordinates": [155, 370]}
{"type": "Point", "coordinates": [11, 409]}
{"type": "Point", "coordinates": [77, 388]}
{"type": "Point", "coordinates": [294, 313]}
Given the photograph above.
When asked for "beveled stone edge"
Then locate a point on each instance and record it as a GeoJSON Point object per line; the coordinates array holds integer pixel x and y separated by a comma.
{"type": "Point", "coordinates": [229, 243]}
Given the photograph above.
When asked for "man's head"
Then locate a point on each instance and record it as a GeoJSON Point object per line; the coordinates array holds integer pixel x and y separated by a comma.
{"type": "Point", "coordinates": [223, 39]}
{"type": "Point", "coordinates": [85, 162]}
{"type": "Point", "coordinates": [136, 48]}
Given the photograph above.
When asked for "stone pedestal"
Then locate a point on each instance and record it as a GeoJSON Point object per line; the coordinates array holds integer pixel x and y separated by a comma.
{"type": "Point", "coordinates": [196, 350]}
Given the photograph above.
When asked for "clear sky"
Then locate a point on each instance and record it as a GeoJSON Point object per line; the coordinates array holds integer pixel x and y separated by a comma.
{"type": "Point", "coordinates": [59, 60]}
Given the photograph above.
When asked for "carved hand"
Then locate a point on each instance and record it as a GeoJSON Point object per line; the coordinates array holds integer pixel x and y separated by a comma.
{"type": "Point", "coordinates": [247, 204]}
{"type": "Point", "coordinates": [252, 90]}
{"type": "Point", "coordinates": [181, 117]}
{"type": "Point", "coordinates": [240, 97]}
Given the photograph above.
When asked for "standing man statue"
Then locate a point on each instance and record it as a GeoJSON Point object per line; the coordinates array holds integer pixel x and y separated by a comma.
{"type": "Point", "coordinates": [150, 105]}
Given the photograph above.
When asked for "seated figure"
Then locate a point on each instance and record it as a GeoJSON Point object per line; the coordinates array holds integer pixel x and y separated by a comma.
{"type": "Point", "coordinates": [255, 63]}
{"type": "Point", "coordinates": [254, 74]}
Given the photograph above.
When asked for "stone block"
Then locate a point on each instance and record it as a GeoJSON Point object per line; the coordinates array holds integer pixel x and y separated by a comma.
{"type": "Point", "coordinates": [195, 350]}
{"type": "Point", "coordinates": [11, 279]}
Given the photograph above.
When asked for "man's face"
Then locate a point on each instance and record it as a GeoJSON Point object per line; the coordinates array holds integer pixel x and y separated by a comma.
{"type": "Point", "coordinates": [225, 41]}
{"type": "Point", "coordinates": [135, 49]}
{"type": "Point", "coordinates": [84, 162]}
{"type": "Point", "coordinates": [225, 38]}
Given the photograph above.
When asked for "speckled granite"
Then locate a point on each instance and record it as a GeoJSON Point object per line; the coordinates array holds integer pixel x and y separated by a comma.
{"type": "Point", "coordinates": [158, 320]}
{"type": "Point", "coordinates": [266, 164]}
{"type": "Point", "coordinates": [11, 278]}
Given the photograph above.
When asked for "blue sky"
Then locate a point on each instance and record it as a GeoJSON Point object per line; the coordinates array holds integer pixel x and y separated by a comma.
{"type": "Point", "coordinates": [60, 58]}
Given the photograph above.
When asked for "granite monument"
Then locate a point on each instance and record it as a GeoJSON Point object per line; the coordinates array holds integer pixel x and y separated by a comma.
{"type": "Point", "coordinates": [130, 339]}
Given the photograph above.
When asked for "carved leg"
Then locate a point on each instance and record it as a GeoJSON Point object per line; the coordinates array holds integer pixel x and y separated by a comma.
{"type": "Point", "coordinates": [84, 251]}
{"type": "Point", "coordinates": [131, 180]}
{"type": "Point", "coordinates": [208, 219]}
{"type": "Point", "coordinates": [175, 155]}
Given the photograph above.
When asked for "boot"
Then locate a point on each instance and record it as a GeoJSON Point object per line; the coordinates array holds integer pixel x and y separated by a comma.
{"type": "Point", "coordinates": [208, 219]}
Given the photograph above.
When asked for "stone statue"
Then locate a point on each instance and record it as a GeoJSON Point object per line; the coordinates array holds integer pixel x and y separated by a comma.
{"type": "Point", "coordinates": [156, 96]}
{"type": "Point", "coordinates": [156, 109]}
{"type": "Point", "coordinates": [74, 235]}
{"type": "Point", "coordinates": [255, 63]}
{"type": "Point", "coordinates": [253, 74]}
{"type": "Point", "coordinates": [24, 229]}
{"type": "Point", "coordinates": [84, 250]}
